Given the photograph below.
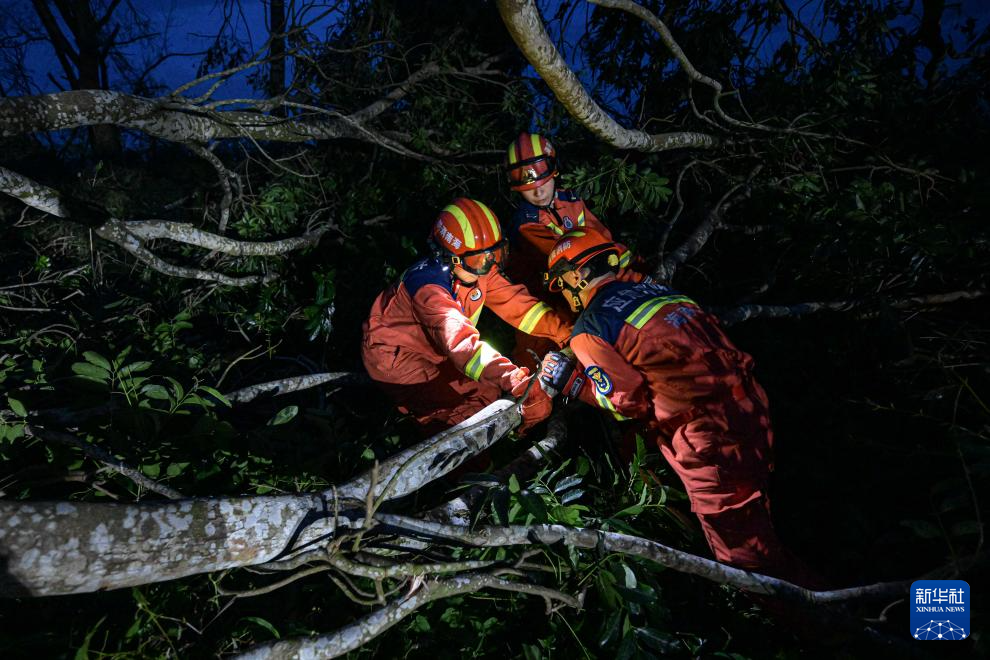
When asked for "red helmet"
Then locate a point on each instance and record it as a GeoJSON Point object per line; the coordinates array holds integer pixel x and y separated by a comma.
{"type": "Point", "coordinates": [574, 250]}
{"type": "Point", "coordinates": [531, 160]}
{"type": "Point", "coordinates": [468, 234]}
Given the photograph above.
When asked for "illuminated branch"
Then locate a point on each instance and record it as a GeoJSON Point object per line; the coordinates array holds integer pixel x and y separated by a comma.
{"type": "Point", "coordinates": [523, 20]}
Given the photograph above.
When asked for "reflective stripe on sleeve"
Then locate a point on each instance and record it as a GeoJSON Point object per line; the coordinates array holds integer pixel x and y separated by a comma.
{"type": "Point", "coordinates": [604, 402]}
{"type": "Point", "coordinates": [625, 258]}
{"type": "Point", "coordinates": [580, 221]}
{"type": "Point", "coordinates": [476, 316]}
{"type": "Point", "coordinates": [479, 361]}
{"type": "Point", "coordinates": [647, 310]}
{"type": "Point", "coordinates": [533, 317]}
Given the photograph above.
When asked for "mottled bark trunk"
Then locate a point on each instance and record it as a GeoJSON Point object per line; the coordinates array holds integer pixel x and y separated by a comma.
{"type": "Point", "coordinates": [51, 548]}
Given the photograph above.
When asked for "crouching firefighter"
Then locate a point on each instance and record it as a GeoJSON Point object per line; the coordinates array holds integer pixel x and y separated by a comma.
{"type": "Point", "coordinates": [650, 354]}
{"type": "Point", "coordinates": [420, 343]}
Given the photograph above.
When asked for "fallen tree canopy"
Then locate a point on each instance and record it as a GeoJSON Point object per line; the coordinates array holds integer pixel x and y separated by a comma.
{"type": "Point", "coordinates": [193, 461]}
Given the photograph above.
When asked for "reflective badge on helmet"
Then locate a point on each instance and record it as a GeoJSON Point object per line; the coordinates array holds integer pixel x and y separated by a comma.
{"type": "Point", "coordinates": [475, 294]}
{"type": "Point", "coordinates": [601, 380]}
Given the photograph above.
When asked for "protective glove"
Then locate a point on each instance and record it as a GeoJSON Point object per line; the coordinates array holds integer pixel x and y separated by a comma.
{"type": "Point", "coordinates": [537, 405]}
{"type": "Point", "coordinates": [557, 373]}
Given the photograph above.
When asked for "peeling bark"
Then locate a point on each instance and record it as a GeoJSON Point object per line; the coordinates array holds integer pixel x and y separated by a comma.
{"type": "Point", "coordinates": [523, 20]}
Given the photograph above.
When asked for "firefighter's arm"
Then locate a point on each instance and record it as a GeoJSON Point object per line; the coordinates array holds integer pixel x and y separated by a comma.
{"type": "Point", "coordinates": [516, 307]}
{"type": "Point", "coordinates": [611, 383]}
{"type": "Point", "coordinates": [453, 334]}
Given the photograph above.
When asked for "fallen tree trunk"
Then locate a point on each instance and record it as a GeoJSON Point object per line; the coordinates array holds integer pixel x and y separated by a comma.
{"type": "Point", "coordinates": [50, 548]}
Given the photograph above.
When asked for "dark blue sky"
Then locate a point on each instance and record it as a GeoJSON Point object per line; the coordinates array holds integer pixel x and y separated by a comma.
{"type": "Point", "coordinates": [190, 26]}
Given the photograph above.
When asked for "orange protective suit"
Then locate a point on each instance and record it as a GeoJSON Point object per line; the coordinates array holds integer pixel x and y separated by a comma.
{"type": "Point", "coordinates": [653, 355]}
{"type": "Point", "coordinates": [532, 234]}
{"type": "Point", "coordinates": [421, 345]}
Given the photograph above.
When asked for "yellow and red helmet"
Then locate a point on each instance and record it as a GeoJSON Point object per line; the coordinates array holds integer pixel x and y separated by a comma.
{"type": "Point", "coordinates": [574, 250]}
{"type": "Point", "coordinates": [467, 234]}
{"type": "Point", "coordinates": [530, 161]}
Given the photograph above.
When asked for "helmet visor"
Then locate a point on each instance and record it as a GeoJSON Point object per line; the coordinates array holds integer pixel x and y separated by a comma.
{"type": "Point", "coordinates": [480, 262]}
{"type": "Point", "coordinates": [532, 170]}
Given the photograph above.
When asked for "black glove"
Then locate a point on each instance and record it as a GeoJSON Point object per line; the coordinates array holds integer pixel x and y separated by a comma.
{"type": "Point", "coordinates": [556, 373]}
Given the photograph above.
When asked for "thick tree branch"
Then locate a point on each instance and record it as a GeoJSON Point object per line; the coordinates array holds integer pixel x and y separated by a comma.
{"type": "Point", "coordinates": [53, 548]}
{"type": "Point", "coordinates": [639, 547]}
{"type": "Point", "coordinates": [731, 315]}
{"type": "Point", "coordinates": [294, 384]}
{"type": "Point", "coordinates": [130, 235]}
{"type": "Point", "coordinates": [368, 627]}
{"type": "Point", "coordinates": [183, 232]}
{"type": "Point", "coordinates": [114, 231]}
{"type": "Point", "coordinates": [523, 20]}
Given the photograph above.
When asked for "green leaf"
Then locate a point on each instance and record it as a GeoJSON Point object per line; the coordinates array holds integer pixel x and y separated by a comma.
{"type": "Point", "coordinates": [513, 484]}
{"type": "Point", "coordinates": [611, 629]}
{"type": "Point", "coordinates": [532, 652]}
{"type": "Point", "coordinates": [630, 577]}
{"type": "Point", "coordinates": [533, 504]}
{"type": "Point", "coordinates": [571, 495]}
{"type": "Point", "coordinates": [175, 469]}
{"type": "Point", "coordinates": [922, 528]}
{"type": "Point", "coordinates": [257, 620]}
{"type": "Point", "coordinates": [97, 359]}
{"type": "Point", "coordinates": [16, 406]}
{"type": "Point", "coordinates": [658, 640]}
{"type": "Point", "coordinates": [155, 392]}
{"type": "Point", "coordinates": [966, 527]}
{"type": "Point", "coordinates": [91, 371]}
{"type": "Point", "coordinates": [215, 394]}
{"type": "Point", "coordinates": [569, 482]}
{"type": "Point", "coordinates": [133, 368]}
{"type": "Point", "coordinates": [152, 470]}
{"type": "Point", "coordinates": [177, 388]}
{"type": "Point", "coordinates": [82, 653]}
{"type": "Point", "coordinates": [284, 415]}
{"type": "Point", "coordinates": [420, 624]}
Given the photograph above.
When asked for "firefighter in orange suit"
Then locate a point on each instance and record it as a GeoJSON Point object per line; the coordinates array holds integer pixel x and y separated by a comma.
{"type": "Point", "coordinates": [420, 342]}
{"type": "Point", "coordinates": [545, 213]}
{"type": "Point", "coordinates": [653, 355]}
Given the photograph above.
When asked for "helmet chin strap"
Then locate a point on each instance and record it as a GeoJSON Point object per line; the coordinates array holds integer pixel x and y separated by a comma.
{"type": "Point", "coordinates": [575, 292]}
